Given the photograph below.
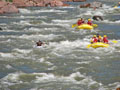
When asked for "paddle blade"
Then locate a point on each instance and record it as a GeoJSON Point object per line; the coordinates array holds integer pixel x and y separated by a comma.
{"type": "Point", "coordinates": [95, 25]}
{"type": "Point", "coordinates": [88, 46]}
{"type": "Point", "coordinates": [114, 41]}
{"type": "Point", "coordinates": [115, 6]}
{"type": "Point", "coordinates": [74, 25]}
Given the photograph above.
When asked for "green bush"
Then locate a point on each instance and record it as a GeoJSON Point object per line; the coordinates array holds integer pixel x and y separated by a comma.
{"type": "Point", "coordinates": [9, 0]}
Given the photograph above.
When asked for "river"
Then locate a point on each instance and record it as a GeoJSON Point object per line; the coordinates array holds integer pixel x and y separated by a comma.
{"type": "Point", "coordinates": [64, 62]}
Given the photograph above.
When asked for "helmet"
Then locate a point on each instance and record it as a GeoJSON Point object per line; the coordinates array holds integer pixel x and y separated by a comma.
{"type": "Point", "coordinates": [80, 19]}
{"type": "Point", "coordinates": [94, 35]}
{"type": "Point", "coordinates": [100, 37]}
{"type": "Point", "coordinates": [91, 41]}
{"type": "Point", "coordinates": [89, 19]}
{"type": "Point", "coordinates": [105, 36]}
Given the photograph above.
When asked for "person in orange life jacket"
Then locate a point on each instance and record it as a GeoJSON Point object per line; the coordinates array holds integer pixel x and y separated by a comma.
{"type": "Point", "coordinates": [105, 39]}
{"type": "Point", "coordinates": [80, 21]}
{"type": "Point", "coordinates": [94, 39]}
{"type": "Point", "coordinates": [89, 22]}
{"type": "Point", "coordinates": [100, 39]}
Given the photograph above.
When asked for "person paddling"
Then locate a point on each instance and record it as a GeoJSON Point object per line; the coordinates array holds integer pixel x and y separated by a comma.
{"type": "Point", "coordinates": [80, 21]}
{"type": "Point", "coordinates": [39, 43]}
{"type": "Point", "coordinates": [100, 39]}
{"type": "Point", "coordinates": [89, 22]}
{"type": "Point", "coordinates": [105, 39]}
{"type": "Point", "coordinates": [94, 39]}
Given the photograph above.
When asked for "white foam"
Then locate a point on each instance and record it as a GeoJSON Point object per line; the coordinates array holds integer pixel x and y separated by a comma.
{"type": "Point", "coordinates": [56, 24]}
{"type": "Point", "coordinates": [51, 10]}
{"type": "Point", "coordinates": [24, 11]}
{"type": "Point", "coordinates": [8, 66]}
{"type": "Point", "coordinates": [24, 51]}
{"type": "Point", "coordinates": [22, 22]}
{"type": "Point", "coordinates": [47, 77]}
{"type": "Point", "coordinates": [111, 22]}
{"type": "Point", "coordinates": [6, 55]}
{"type": "Point", "coordinates": [39, 36]}
{"type": "Point", "coordinates": [67, 7]}
{"type": "Point", "coordinates": [84, 62]}
{"type": "Point", "coordinates": [61, 21]}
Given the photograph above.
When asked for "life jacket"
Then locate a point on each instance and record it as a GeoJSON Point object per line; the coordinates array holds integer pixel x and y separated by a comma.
{"type": "Point", "coordinates": [105, 40]}
{"type": "Point", "coordinates": [94, 39]}
{"type": "Point", "coordinates": [80, 22]}
{"type": "Point", "coordinates": [89, 23]}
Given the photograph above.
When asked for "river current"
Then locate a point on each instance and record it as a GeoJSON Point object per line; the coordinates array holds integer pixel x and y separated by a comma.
{"type": "Point", "coordinates": [64, 62]}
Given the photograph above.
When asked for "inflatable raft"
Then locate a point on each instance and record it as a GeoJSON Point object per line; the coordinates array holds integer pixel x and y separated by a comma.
{"type": "Point", "coordinates": [85, 26]}
{"type": "Point", "coordinates": [97, 45]}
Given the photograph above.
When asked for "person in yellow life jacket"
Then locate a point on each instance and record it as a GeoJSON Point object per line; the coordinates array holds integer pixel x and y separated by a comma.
{"type": "Point", "coordinates": [100, 39]}
{"type": "Point", "coordinates": [105, 39]}
{"type": "Point", "coordinates": [89, 22]}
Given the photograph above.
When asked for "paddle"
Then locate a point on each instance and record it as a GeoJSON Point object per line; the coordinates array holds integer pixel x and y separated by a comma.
{"type": "Point", "coordinates": [95, 25]}
{"type": "Point", "coordinates": [115, 6]}
{"type": "Point", "coordinates": [88, 46]}
{"type": "Point", "coordinates": [74, 25]}
{"type": "Point", "coordinates": [114, 41]}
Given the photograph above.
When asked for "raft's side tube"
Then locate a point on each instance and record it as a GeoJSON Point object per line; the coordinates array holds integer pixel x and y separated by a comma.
{"type": "Point", "coordinates": [97, 45]}
{"type": "Point", "coordinates": [85, 26]}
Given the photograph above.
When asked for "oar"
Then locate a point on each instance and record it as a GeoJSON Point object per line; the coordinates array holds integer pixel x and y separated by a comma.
{"type": "Point", "coordinates": [88, 46]}
{"type": "Point", "coordinates": [95, 25]}
{"type": "Point", "coordinates": [114, 41]}
{"type": "Point", "coordinates": [74, 25]}
{"type": "Point", "coordinates": [115, 6]}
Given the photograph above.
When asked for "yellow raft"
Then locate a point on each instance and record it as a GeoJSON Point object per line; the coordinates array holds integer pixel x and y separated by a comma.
{"type": "Point", "coordinates": [97, 45]}
{"type": "Point", "coordinates": [85, 26]}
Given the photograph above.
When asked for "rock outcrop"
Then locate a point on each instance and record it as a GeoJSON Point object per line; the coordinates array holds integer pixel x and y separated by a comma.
{"type": "Point", "coordinates": [6, 7]}
{"type": "Point", "coordinates": [40, 3]}
{"type": "Point", "coordinates": [97, 18]}
{"type": "Point", "coordinates": [73, 0]}
{"type": "Point", "coordinates": [92, 5]}
{"type": "Point", "coordinates": [95, 4]}
{"type": "Point", "coordinates": [79, 0]}
{"type": "Point", "coordinates": [12, 7]}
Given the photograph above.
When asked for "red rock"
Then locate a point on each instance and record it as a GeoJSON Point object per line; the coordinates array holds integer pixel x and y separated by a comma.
{"type": "Point", "coordinates": [19, 3]}
{"type": "Point", "coordinates": [66, 4]}
{"type": "Point", "coordinates": [95, 4]}
{"type": "Point", "coordinates": [67, 0]}
{"type": "Point", "coordinates": [79, 0]}
{"type": "Point", "coordinates": [40, 4]}
{"type": "Point", "coordinates": [56, 3]}
{"type": "Point", "coordinates": [2, 3]}
{"type": "Point", "coordinates": [73, 0]}
{"type": "Point", "coordinates": [92, 5]}
{"type": "Point", "coordinates": [9, 9]}
{"type": "Point", "coordinates": [85, 5]}
{"type": "Point", "coordinates": [1, 12]}
{"type": "Point", "coordinates": [30, 3]}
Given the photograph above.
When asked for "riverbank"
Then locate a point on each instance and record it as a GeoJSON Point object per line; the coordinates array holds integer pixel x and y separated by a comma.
{"type": "Point", "coordinates": [12, 6]}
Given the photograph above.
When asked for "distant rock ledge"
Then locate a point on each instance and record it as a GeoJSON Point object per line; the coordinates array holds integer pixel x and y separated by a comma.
{"type": "Point", "coordinates": [13, 5]}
